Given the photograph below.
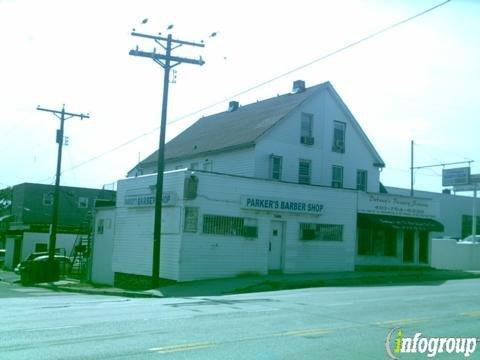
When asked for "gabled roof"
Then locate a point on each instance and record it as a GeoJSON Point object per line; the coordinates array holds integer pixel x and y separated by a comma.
{"type": "Point", "coordinates": [241, 128]}
{"type": "Point", "coordinates": [232, 130]}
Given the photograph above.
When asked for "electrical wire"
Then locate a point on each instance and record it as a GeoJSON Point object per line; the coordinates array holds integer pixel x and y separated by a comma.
{"type": "Point", "coordinates": [323, 57]}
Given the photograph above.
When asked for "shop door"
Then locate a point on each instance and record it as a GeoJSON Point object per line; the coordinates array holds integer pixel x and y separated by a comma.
{"type": "Point", "coordinates": [408, 245]}
{"type": "Point", "coordinates": [275, 246]}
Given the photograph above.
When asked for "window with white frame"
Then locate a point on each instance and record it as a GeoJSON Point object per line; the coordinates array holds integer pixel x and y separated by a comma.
{"type": "Point", "coordinates": [191, 219]}
{"type": "Point", "coordinates": [304, 171]}
{"type": "Point", "coordinates": [339, 136]}
{"type": "Point", "coordinates": [207, 165]}
{"type": "Point", "coordinates": [83, 202]}
{"type": "Point", "coordinates": [322, 232]}
{"type": "Point", "coordinates": [276, 167]}
{"type": "Point", "coordinates": [47, 199]}
{"type": "Point", "coordinates": [362, 180]}
{"type": "Point", "coordinates": [230, 226]}
{"type": "Point", "coordinates": [337, 176]}
{"type": "Point", "coordinates": [306, 125]}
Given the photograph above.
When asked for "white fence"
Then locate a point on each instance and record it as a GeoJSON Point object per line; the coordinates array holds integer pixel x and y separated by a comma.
{"type": "Point", "coordinates": [453, 255]}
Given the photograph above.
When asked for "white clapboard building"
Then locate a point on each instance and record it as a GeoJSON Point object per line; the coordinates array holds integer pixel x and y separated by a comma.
{"type": "Point", "coordinates": [285, 184]}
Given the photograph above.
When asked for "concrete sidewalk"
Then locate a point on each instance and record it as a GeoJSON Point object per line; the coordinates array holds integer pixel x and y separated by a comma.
{"type": "Point", "coordinates": [247, 284]}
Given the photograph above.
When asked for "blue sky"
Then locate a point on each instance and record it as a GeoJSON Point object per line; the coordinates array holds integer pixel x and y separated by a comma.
{"type": "Point", "coordinates": [418, 81]}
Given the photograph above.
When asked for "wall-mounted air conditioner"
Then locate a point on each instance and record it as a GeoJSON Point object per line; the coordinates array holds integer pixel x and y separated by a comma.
{"type": "Point", "coordinates": [307, 140]}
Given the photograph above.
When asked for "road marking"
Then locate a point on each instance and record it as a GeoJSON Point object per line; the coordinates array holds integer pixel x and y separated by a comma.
{"type": "Point", "coordinates": [196, 346]}
{"type": "Point", "coordinates": [471, 313]}
{"type": "Point", "coordinates": [402, 322]}
{"type": "Point", "coordinates": [306, 332]}
{"type": "Point", "coordinates": [182, 347]}
{"type": "Point", "coordinates": [53, 328]}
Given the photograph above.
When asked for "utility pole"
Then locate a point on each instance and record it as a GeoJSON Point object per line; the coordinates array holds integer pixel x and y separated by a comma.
{"type": "Point", "coordinates": [411, 168]}
{"type": "Point", "coordinates": [165, 61]}
{"type": "Point", "coordinates": [474, 212]}
{"type": "Point", "coordinates": [62, 115]}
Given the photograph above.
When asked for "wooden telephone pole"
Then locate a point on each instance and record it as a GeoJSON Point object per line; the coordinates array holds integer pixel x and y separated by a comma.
{"type": "Point", "coordinates": [167, 62]}
{"type": "Point", "coordinates": [62, 115]}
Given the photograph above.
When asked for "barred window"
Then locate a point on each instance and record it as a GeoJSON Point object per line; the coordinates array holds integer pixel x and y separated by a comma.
{"type": "Point", "coordinates": [229, 225]}
{"type": "Point", "coordinates": [323, 232]}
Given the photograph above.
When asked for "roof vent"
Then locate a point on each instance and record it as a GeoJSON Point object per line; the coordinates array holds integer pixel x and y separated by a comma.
{"type": "Point", "coordinates": [298, 86]}
{"type": "Point", "coordinates": [232, 106]}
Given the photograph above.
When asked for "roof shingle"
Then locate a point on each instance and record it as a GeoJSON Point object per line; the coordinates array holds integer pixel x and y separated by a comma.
{"type": "Point", "coordinates": [230, 130]}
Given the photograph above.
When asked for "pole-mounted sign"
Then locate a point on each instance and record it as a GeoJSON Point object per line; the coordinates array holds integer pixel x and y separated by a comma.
{"type": "Point", "coordinates": [456, 176]}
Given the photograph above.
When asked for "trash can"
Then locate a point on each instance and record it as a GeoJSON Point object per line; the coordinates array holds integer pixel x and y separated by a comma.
{"type": "Point", "coordinates": [38, 271]}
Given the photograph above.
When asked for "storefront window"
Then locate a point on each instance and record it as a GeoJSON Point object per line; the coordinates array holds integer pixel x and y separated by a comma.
{"type": "Point", "coordinates": [408, 245]}
{"type": "Point", "coordinates": [324, 232]}
{"type": "Point", "coordinates": [377, 242]}
{"type": "Point", "coordinates": [364, 241]}
{"type": "Point", "coordinates": [390, 242]}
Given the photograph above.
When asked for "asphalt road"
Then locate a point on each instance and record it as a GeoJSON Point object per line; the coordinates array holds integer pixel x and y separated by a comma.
{"type": "Point", "coordinates": [316, 323]}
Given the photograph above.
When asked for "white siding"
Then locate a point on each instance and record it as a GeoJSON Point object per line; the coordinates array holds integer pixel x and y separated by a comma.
{"type": "Point", "coordinates": [133, 246]}
{"type": "Point", "coordinates": [102, 250]}
{"type": "Point", "coordinates": [238, 162]}
{"type": "Point", "coordinates": [211, 256]}
{"type": "Point", "coordinates": [448, 254]}
{"type": "Point", "coordinates": [284, 140]}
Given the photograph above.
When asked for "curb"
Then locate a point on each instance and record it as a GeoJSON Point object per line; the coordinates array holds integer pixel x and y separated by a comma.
{"type": "Point", "coordinates": [130, 294]}
{"type": "Point", "coordinates": [380, 280]}
{"type": "Point", "coordinates": [277, 284]}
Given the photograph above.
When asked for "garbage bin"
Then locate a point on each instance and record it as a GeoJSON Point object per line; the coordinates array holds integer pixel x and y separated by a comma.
{"type": "Point", "coordinates": [38, 271]}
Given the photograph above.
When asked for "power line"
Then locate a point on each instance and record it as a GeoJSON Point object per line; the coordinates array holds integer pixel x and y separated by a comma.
{"type": "Point", "coordinates": [104, 153]}
{"type": "Point", "coordinates": [323, 57]}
